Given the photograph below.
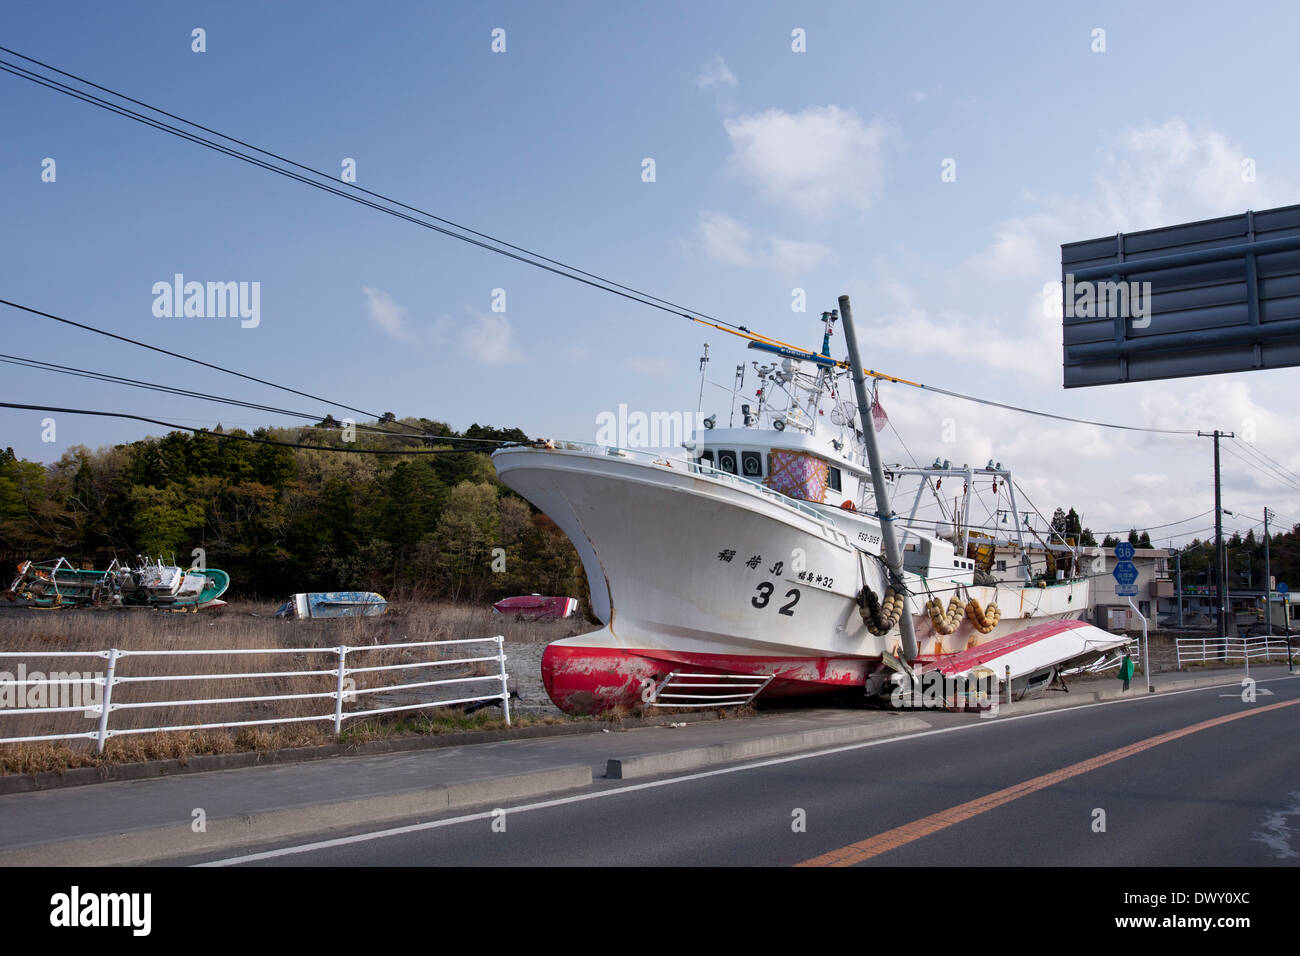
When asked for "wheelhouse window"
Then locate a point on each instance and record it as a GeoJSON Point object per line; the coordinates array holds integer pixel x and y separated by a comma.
{"type": "Point", "coordinates": [751, 464]}
{"type": "Point", "coordinates": [833, 479]}
{"type": "Point", "coordinates": [727, 461]}
{"type": "Point", "coordinates": [706, 457]}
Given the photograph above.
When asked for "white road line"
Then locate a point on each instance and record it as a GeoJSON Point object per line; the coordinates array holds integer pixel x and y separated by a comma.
{"type": "Point", "coordinates": [685, 778]}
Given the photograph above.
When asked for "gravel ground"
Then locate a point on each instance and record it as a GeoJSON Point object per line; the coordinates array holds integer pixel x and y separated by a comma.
{"type": "Point", "coordinates": [524, 665]}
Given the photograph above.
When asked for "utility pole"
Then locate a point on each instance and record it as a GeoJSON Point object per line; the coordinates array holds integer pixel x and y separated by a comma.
{"type": "Point", "coordinates": [1220, 557]}
{"type": "Point", "coordinates": [1268, 583]}
{"type": "Point", "coordinates": [893, 556]}
{"type": "Point", "coordinates": [1178, 583]}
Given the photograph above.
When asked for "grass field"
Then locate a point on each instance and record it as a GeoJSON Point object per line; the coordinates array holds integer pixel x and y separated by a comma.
{"type": "Point", "coordinates": [39, 634]}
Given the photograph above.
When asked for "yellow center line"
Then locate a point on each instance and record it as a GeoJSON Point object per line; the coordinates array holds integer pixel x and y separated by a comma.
{"type": "Point", "coordinates": [926, 826]}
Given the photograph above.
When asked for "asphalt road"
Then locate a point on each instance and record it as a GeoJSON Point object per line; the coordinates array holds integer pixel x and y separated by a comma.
{"type": "Point", "coordinates": [1024, 790]}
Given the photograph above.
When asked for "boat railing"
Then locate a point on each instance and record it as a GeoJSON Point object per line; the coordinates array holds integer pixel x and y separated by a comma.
{"type": "Point", "coordinates": [700, 468]}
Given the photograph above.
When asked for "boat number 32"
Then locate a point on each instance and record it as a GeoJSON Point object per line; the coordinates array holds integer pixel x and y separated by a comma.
{"type": "Point", "coordinates": [764, 594]}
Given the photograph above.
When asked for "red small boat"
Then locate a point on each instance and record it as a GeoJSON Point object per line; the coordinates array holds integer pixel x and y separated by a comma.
{"type": "Point", "coordinates": [536, 605]}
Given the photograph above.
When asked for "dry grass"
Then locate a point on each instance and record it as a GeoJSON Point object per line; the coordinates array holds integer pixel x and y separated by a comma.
{"type": "Point", "coordinates": [39, 633]}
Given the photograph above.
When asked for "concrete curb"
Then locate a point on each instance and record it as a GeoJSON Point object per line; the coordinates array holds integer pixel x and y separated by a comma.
{"type": "Point", "coordinates": [204, 763]}
{"type": "Point", "coordinates": [143, 846]}
{"type": "Point", "coordinates": [644, 765]}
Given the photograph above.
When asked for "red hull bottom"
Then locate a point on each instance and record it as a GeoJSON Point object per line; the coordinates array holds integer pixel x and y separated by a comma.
{"type": "Point", "coordinates": [589, 680]}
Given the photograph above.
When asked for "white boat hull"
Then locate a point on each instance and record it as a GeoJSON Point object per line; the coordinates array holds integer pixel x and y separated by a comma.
{"type": "Point", "coordinates": [713, 572]}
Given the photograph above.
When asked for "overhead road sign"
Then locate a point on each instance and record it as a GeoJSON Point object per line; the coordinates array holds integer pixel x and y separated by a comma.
{"type": "Point", "coordinates": [1199, 298]}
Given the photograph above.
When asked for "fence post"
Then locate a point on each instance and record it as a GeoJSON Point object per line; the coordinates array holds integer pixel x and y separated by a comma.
{"type": "Point", "coordinates": [342, 652]}
{"type": "Point", "coordinates": [1007, 669]}
{"type": "Point", "coordinates": [106, 700]}
{"type": "Point", "coordinates": [505, 686]}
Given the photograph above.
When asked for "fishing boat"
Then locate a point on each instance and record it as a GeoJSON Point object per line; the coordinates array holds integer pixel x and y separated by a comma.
{"type": "Point", "coordinates": [758, 552]}
{"type": "Point", "coordinates": [536, 606]}
{"type": "Point", "coordinates": [330, 604]}
{"type": "Point", "coordinates": [167, 587]}
{"type": "Point", "coordinates": [147, 583]}
{"type": "Point", "coordinates": [56, 583]}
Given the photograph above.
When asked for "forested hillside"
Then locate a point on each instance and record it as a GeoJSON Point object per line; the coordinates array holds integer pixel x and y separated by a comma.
{"type": "Point", "coordinates": [281, 519]}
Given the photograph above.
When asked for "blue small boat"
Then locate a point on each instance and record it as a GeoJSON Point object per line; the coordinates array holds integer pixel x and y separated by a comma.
{"type": "Point", "coordinates": [326, 604]}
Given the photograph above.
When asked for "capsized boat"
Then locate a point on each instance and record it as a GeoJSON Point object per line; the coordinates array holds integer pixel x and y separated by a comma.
{"type": "Point", "coordinates": [167, 587]}
{"type": "Point", "coordinates": [536, 605]}
{"type": "Point", "coordinates": [759, 552]}
{"type": "Point", "coordinates": [328, 604]}
{"type": "Point", "coordinates": [56, 584]}
{"type": "Point", "coordinates": [148, 583]}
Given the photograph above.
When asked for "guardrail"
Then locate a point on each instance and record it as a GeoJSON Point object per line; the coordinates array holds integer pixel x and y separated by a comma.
{"type": "Point", "coordinates": [1207, 650]}
{"type": "Point", "coordinates": [102, 705]}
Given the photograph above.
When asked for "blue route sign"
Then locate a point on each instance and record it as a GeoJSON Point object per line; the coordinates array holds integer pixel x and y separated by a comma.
{"type": "Point", "coordinates": [1125, 573]}
{"type": "Point", "coordinates": [1282, 588]}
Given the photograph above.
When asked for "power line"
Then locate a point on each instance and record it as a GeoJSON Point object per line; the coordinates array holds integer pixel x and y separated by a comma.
{"type": "Point", "coordinates": [250, 438]}
{"type": "Point", "coordinates": [155, 348]}
{"type": "Point", "coordinates": [1157, 527]}
{"type": "Point", "coordinates": [520, 254]}
{"type": "Point", "coordinates": [1255, 450]}
{"type": "Point", "coordinates": [38, 365]}
{"type": "Point", "coordinates": [330, 187]}
{"type": "Point", "coordinates": [27, 74]}
{"type": "Point", "coordinates": [1264, 464]}
{"type": "Point", "coordinates": [1255, 467]}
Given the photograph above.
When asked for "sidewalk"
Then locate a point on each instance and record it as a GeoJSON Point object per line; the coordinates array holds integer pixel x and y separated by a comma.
{"type": "Point", "coordinates": [136, 820]}
{"type": "Point", "coordinates": [140, 820]}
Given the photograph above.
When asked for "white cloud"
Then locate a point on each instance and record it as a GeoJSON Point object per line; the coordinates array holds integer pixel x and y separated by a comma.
{"type": "Point", "coordinates": [489, 339]}
{"type": "Point", "coordinates": [716, 73]}
{"type": "Point", "coordinates": [1154, 175]}
{"type": "Point", "coordinates": [812, 162]}
{"type": "Point", "coordinates": [387, 314]}
{"type": "Point", "coordinates": [1149, 176]}
{"type": "Point", "coordinates": [978, 344]}
{"type": "Point", "coordinates": [725, 239]}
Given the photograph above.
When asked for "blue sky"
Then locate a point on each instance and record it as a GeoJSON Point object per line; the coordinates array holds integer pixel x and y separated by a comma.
{"type": "Point", "coordinates": [775, 170]}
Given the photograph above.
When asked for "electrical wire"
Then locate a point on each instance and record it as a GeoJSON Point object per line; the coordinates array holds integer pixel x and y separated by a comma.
{"type": "Point", "coordinates": [1253, 466]}
{"type": "Point", "coordinates": [39, 365]}
{"type": "Point", "coordinates": [467, 235]}
{"type": "Point", "coordinates": [250, 438]}
{"type": "Point", "coordinates": [187, 358]}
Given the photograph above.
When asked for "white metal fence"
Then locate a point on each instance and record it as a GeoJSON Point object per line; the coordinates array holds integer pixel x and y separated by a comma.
{"type": "Point", "coordinates": [102, 705]}
{"type": "Point", "coordinates": [1209, 650]}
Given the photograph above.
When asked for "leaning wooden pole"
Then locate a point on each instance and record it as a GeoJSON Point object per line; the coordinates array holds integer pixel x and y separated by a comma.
{"type": "Point", "coordinates": [893, 556]}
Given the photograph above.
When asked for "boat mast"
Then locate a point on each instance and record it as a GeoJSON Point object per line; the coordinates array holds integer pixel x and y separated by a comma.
{"type": "Point", "coordinates": [704, 361]}
{"type": "Point", "coordinates": [893, 556]}
{"type": "Point", "coordinates": [1020, 534]}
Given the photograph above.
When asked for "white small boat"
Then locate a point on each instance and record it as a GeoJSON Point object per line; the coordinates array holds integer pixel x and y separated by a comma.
{"type": "Point", "coordinates": [330, 604]}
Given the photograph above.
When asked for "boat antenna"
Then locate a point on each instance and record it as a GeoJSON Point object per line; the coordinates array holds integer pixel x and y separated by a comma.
{"type": "Point", "coordinates": [704, 361]}
{"type": "Point", "coordinates": [893, 556]}
{"type": "Point", "coordinates": [736, 386]}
